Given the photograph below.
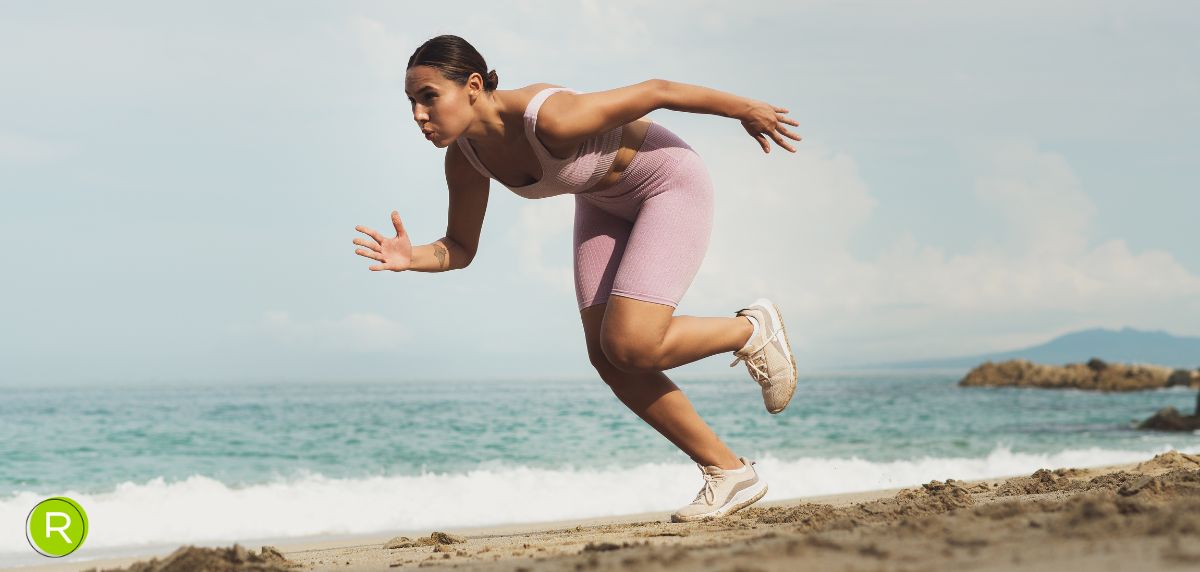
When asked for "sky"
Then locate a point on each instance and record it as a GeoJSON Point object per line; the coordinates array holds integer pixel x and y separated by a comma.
{"type": "Point", "coordinates": [180, 182]}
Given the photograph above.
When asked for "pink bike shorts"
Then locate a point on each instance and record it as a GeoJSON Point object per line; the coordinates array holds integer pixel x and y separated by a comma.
{"type": "Point", "coordinates": [645, 237]}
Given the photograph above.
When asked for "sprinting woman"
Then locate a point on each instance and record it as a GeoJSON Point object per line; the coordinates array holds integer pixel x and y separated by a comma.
{"type": "Point", "coordinates": [643, 214]}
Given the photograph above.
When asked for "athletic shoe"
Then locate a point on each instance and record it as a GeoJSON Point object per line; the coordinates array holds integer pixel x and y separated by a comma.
{"type": "Point", "coordinates": [725, 492]}
{"type": "Point", "coordinates": [768, 356]}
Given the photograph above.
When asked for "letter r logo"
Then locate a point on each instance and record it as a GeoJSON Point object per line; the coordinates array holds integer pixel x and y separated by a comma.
{"type": "Point", "coordinates": [66, 522]}
{"type": "Point", "coordinates": [56, 527]}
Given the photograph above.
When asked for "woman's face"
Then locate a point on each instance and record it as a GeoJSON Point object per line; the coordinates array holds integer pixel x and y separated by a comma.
{"type": "Point", "coordinates": [441, 108]}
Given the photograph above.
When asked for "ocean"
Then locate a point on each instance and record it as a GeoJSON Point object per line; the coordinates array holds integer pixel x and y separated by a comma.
{"type": "Point", "coordinates": [156, 467]}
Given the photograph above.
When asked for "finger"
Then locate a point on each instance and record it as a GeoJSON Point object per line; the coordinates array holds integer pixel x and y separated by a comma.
{"type": "Point", "coordinates": [781, 110]}
{"type": "Point", "coordinates": [369, 232]}
{"type": "Point", "coordinates": [369, 254]}
{"type": "Point", "coordinates": [376, 267]}
{"type": "Point", "coordinates": [788, 133]}
{"type": "Point", "coordinates": [762, 141]}
{"type": "Point", "coordinates": [396, 223]}
{"type": "Point", "coordinates": [362, 242]}
{"type": "Point", "coordinates": [789, 121]}
{"type": "Point", "coordinates": [779, 141]}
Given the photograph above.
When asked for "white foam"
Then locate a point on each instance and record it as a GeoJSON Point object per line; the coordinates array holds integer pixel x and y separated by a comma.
{"type": "Point", "coordinates": [203, 511]}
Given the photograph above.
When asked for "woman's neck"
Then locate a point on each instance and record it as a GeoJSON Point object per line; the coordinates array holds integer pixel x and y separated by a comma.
{"type": "Point", "coordinates": [490, 128]}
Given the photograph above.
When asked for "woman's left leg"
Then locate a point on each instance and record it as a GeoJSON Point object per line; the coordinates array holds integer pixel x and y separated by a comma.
{"type": "Point", "coordinates": [647, 336]}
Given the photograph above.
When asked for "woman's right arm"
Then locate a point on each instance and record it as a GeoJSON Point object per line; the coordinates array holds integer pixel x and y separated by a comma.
{"type": "Point", "coordinates": [464, 219]}
{"type": "Point", "coordinates": [468, 202]}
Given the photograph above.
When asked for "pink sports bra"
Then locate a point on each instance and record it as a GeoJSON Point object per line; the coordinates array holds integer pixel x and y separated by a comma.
{"type": "Point", "coordinates": [574, 174]}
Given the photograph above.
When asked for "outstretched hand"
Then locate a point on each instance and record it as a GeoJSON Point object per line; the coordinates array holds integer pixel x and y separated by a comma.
{"type": "Point", "coordinates": [762, 119]}
{"type": "Point", "coordinates": [394, 253]}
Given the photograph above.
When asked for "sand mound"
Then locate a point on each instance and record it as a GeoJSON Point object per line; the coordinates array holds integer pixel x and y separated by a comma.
{"type": "Point", "coordinates": [436, 538]}
{"type": "Point", "coordinates": [195, 559]}
{"type": "Point", "coordinates": [1040, 482]}
{"type": "Point", "coordinates": [1123, 506]}
{"type": "Point", "coordinates": [1166, 504]}
{"type": "Point", "coordinates": [1113, 481]}
{"type": "Point", "coordinates": [934, 497]}
{"type": "Point", "coordinates": [810, 516]}
{"type": "Point", "coordinates": [1170, 460]}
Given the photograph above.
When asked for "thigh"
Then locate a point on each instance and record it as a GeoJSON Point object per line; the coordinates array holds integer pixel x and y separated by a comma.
{"type": "Point", "coordinates": [593, 320]}
{"type": "Point", "coordinates": [669, 239]}
{"type": "Point", "coordinates": [599, 243]}
{"type": "Point", "coordinates": [633, 323]}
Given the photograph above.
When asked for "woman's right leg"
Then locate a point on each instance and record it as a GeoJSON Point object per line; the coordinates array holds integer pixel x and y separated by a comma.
{"type": "Point", "coordinates": [657, 400]}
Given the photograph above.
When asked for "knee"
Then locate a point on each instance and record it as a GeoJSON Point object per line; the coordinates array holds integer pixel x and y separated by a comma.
{"type": "Point", "coordinates": [630, 354]}
{"type": "Point", "coordinates": [600, 361]}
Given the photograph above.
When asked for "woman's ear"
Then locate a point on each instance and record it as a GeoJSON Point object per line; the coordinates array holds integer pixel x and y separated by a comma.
{"type": "Point", "coordinates": [473, 88]}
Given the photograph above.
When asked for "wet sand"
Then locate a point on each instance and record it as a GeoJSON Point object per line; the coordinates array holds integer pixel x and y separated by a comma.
{"type": "Point", "coordinates": [1144, 516]}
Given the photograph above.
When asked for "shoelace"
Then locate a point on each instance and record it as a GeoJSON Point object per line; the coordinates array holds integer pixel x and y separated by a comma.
{"type": "Point", "coordinates": [756, 361]}
{"type": "Point", "coordinates": [708, 491]}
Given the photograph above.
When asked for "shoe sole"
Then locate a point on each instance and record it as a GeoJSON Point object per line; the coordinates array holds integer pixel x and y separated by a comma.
{"type": "Point", "coordinates": [776, 315]}
{"type": "Point", "coordinates": [741, 500]}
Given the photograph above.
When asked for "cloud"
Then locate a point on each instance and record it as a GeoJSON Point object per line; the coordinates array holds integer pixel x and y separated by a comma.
{"type": "Point", "coordinates": [543, 236]}
{"type": "Point", "coordinates": [353, 333]}
{"type": "Point", "coordinates": [1039, 197]}
{"type": "Point", "coordinates": [385, 50]}
{"type": "Point", "coordinates": [628, 38]}
{"type": "Point", "coordinates": [18, 149]}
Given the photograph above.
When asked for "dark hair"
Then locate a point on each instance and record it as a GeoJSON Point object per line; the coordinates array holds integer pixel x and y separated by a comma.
{"type": "Point", "coordinates": [456, 58]}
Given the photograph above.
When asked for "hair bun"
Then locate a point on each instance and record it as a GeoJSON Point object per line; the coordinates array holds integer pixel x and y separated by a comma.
{"type": "Point", "coordinates": [493, 80]}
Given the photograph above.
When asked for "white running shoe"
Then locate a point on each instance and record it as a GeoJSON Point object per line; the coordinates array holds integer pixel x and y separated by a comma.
{"type": "Point", "coordinates": [768, 356]}
{"type": "Point", "coordinates": [724, 493]}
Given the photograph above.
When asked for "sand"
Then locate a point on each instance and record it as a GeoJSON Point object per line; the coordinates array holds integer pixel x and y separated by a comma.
{"type": "Point", "coordinates": [1143, 517]}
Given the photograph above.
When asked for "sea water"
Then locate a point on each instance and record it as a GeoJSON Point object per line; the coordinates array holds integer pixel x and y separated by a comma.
{"type": "Point", "coordinates": [161, 466]}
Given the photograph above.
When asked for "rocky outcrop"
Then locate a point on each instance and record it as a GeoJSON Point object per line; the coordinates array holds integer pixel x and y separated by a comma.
{"type": "Point", "coordinates": [1185, 377]}
{"type": "Point", "coordinates": [1170, 419]}
{"type": "Point", "coordinates": [1093, 375]}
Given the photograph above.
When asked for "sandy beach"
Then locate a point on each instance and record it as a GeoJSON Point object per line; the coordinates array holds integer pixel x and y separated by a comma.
{"type": "Point", "coordinates": [1143, 516]}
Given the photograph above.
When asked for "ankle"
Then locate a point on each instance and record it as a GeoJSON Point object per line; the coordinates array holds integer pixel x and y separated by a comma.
{"type": "Point", "coordinates": [753, 330]}
{"type": "Point", "coordinates": [734, 467]}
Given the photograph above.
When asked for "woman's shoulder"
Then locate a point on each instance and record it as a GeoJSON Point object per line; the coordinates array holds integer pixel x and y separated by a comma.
{"type": "Point", "coordinates": [533, 88]}
{"type": "Point", "coordinates": [530, 91]}
{"type": "Point", "coordinates": [520, 97]}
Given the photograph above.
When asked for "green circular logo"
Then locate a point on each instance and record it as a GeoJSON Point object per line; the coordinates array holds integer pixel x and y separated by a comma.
{"type": "Point", "coordinates": [56, 527]}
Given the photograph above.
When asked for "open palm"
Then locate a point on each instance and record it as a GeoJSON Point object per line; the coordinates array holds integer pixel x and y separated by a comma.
{"type": "Point", "coordinates": [393, 253]}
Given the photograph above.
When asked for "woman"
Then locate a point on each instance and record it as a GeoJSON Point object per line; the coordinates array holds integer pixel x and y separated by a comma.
{"type": "Point", "coordinates": [643, 213]}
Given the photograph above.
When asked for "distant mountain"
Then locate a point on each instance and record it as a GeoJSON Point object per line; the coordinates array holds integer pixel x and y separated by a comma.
{"type": "Point", "coordinates": [1125, 345]}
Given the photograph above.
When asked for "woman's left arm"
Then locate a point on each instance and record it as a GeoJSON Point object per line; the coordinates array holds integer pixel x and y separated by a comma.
{"type": "Point", "coordinates": [759, 118]}
{"type": "Point", "coordinates": [574, 118]}
{"type": "Point", "coordinates": [577, 117]}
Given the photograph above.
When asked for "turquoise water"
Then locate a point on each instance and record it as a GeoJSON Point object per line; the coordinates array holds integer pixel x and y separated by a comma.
{"type": "Point", "coordinates": [95, 438]}
{"type": "Point", "coordinates": [160, 466]}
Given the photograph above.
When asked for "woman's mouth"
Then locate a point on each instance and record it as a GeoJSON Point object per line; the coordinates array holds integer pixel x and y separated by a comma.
{"type": "Point", "coordinates": [429, 136]}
